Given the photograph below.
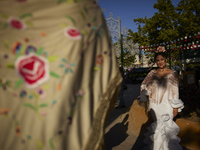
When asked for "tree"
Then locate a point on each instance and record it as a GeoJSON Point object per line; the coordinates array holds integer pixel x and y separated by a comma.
{"type": "Point", "coordinates": [188, 17]}
{"type": "Point", "coordinates": [128, 52]}
{"type": "Point", "coordinates": [168, 24]}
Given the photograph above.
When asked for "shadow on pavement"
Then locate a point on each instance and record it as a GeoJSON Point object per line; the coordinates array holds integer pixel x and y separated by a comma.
{"type": "Point", "coordinates": [117, 134]}
{"type": "Point", "coordinates": [114, 114]}
{"type": "Point", "coordinates": [139, 144]}
{"type": "Point", "coordinates": [129, 96]}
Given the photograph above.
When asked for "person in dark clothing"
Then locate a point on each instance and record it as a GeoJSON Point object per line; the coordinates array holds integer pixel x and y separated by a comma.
{"type": "Point", "coordinates": [121, 100]}
{"type": "Point", "coordinates": [197, 76]}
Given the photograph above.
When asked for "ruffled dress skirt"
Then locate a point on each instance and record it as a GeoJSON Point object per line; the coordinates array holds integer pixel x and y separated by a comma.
{"type": "Point", "coordinates": [162, 134]}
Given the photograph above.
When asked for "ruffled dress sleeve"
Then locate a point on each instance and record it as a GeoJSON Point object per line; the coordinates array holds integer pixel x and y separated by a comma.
{"type": "Point", "coordinates": [174, 92]}
{"type": "Point", "coordinates": [144, 92]}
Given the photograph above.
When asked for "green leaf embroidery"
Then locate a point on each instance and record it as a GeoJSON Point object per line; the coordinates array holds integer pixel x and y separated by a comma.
{"type": "Point", "coordinates": [10, 66]}
{"type": "Point", "coordinates": [26, 15]}
{"type": "Point", "coordinates": [40, 145]}
{"type": "Point", "coordinates": [54, 74]}
{"type": "Point", "coordinates": [84, 32]}
{"type": "Point", "coordinates": [82, 15]}
{"type": "Point", "coordinates": [6, 44]}
{"type": "Point", "coordinates": [51, 144]}
{"type": "Point", "coordinates": [100, 25]}
{"type": "Point", "coordinates": [61, 1]}
{"type": "Point", "coordinates": [72, 64]}
{"type": "Point", "coordinates": [72, 20]}
{"type": "Point", "coordinates": [29, 23]}
{"type": "Point", "coordinates": [52, 58]}
{"type": "Point", "coordinates": [45, 87]}
{"type": "Point", "coordinates": [85, 9]}
{"type": "Point", "coordinates": [30, 106]}
{"type": "Point", "coordinates": [17, 55]}
{"type": "Point", "coordinates": [94, 28]}
{"type": "Point", "coordinates": [18, 83]}
{"type": "Point", "coordinates": [63, 25]}
{"type": "Point", "coordinates": [5, 25]}
{"type": "Point", "coordinates": [43, 105]}
{"type": "Point", "coordinates": [39, 51]}
{"type": "Point", "coordinates": [70, 1]}
{"type": "Point", "coordinates": [61, 65]}
{"type": "Point", "coordinates": [4, 16]}
{"type": "Point", "coordinates": [23, 49]}
{"type": "Point", "coordinates": [66, 70]}
{"type": "Point", "coordinates": [96, 68]}
{"type": "Point", "coordinates": [94, 19]}
{"type": "Point", "coordinates": [35, 95]}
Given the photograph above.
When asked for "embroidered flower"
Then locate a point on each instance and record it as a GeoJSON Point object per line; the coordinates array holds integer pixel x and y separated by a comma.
{"type": "Point", "coordinates": [99, 59]}
{"type": "Point", "coordinates": [16, 47]}
{"type": "Point", "coordinates": [30, 49]}
{"type": "Point", "coordinates": [16, 23]}
{"type": "Point", "coordinates": [43, 114]}
{"type": "Point", "coordinates": [4, 83]}
{"type": "Point", "coordinates": [33, 69]}
{"type": "Point", "coordinates": [44, 54]}
{"type": "Point", "coordinates": [72, 33]}
{"type": "Point", "coordinates": [53, 101]}
{"type": "Point", "coordinates": [29, 137]}
{"type": "Point", "coordinates": [5, 111]}
{"type": "Point", "coordinates": [17, 130]}
{"type": "Point", "coordinates": [26, 40]}
{"type": "Point", "coordinates": [23, 93]}
{"type": "Point", "coordinates": [30, 96]}
{"type": "Point", "coordinates": [40, 91]}
{"type": "Point", "coordinates": [98, 30]}
{"type": "Point", "coordinates": [80, 94]}
{"type": "Point", "coordinates": [68, 66]}
{"type": "Point", "coordinates": [69, 120]}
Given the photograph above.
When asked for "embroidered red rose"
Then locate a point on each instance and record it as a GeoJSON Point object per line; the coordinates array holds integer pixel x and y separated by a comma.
{"type": "Point", "coordinates": [99, 60]}
{"type": "Point", "coordinates": [72, 33]}
{"type": "Point", "coordinates": [33, 69]}
{"type": "Point", "coordinates": [16, 23]}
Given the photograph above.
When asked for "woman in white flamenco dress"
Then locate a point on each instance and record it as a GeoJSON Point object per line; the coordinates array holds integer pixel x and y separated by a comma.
{"type": "Point", "coordinates": [160, 88]}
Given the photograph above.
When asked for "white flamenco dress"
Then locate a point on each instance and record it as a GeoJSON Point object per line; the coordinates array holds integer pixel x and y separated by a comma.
{"type": "Point", "coordinates": [163, 96]}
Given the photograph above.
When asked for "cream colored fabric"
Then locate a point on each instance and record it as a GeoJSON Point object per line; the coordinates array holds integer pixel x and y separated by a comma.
{"type": "Point", "coordinates": [58, 75]}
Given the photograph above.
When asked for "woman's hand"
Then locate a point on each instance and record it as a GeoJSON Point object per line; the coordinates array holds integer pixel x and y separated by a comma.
{"type": "Point", "coordinates": [175, 112]}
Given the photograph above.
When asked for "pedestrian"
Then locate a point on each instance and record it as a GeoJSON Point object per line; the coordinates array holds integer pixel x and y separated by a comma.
{"type": "Point", "coordinates": [197, 71]}
{"type": "Point", "coordinates": [59, 76]}
{"type": "Point", "coordinates": [161, 89]}
{"type": "Point", "coordinates": [121, 102]}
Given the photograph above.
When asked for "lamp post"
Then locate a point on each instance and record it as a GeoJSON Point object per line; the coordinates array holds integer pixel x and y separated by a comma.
{"type": "Point", "coordinates": [122, 50]}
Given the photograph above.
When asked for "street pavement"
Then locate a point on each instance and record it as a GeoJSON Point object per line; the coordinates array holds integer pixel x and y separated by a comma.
{"type": "Point", "coordinates": [117, 135]}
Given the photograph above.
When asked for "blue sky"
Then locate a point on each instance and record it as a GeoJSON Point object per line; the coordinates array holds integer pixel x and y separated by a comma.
{"type": "Point", "coordinates": [128, 10]}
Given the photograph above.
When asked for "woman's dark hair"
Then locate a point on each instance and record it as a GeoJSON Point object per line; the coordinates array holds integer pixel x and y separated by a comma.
{"type": "Point", "coordinates": [163, 54]}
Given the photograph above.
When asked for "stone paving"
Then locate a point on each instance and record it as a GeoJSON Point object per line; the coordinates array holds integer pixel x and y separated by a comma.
{"type": "Point", "coordinates": [117, 135]}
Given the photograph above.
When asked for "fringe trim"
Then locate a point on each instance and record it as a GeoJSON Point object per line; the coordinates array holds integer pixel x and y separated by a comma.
{"type": "Point", "coordinates": [95, 140]}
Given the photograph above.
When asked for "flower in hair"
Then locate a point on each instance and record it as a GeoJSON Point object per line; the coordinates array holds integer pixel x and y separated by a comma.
{"type": "Point", "coordinates": [160, 49]}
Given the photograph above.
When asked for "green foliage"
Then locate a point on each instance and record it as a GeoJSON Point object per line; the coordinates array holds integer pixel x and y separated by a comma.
{"type": "Point", "coordinates": [188, 17]}
{"type": "Point", "coordinates": [169, 23]}
{"type": "Point", "coordinates": [128, 58]}
{"type": "Point", "coordinates": [128, 53]}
